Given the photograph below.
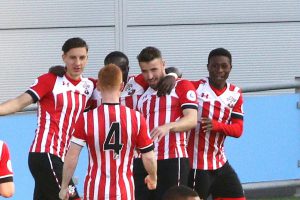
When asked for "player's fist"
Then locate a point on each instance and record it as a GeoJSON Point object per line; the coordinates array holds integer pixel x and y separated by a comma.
{"type": "Point", "coordinates": [64, 194]}
{"type": "Point", "coordinates": [151, 182]}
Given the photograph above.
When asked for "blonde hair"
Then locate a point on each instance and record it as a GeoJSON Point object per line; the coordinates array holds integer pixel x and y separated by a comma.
{"type": "Point", "coordinates": [110, 77]}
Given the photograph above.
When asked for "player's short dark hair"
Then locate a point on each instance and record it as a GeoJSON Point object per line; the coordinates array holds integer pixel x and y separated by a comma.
{"type": "Point", "coordinates": [220, 52]}
{"type": "Point", "coordinates": [118, 58]}
{"type": "Point", "coordinates": [179, 193]}
{"type": "Point", "coordinates": [75, 42]}
{"type": "Point", "coordinates": [148, 54]}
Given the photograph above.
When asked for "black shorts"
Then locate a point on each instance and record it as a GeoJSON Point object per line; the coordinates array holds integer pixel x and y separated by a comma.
{"type": "Point", "coordinates": [170, 172]}
{"type": "Point", "coordinates": [220, 183]}
{"type": "Point", "coordinates": [46, 170]}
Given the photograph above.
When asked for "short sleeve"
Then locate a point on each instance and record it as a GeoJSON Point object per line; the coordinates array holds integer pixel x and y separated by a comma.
{"type": "Point", "coordinates": [79, 135]}
{"type": "Point", "coordinates": [41, 86]}
{"type": "Point", "coordinates": [144, 142]}
{"type": "Point", "coordinates": [187, 94]}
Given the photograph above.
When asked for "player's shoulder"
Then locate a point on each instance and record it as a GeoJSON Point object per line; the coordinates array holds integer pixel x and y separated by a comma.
{"type": "Point", "coordinates": [234, 88]}
{"type": "Point", "coordinates": [199, 82]}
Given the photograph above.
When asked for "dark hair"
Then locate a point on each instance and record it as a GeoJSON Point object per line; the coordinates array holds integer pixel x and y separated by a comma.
{"type": "Point", "coordinates": [179, 193]}
{"type": "Point", "coordinates": [118, 58]}
{"type": "Point", "coordinates": [75, 42]}
{"type": "Point", "coordinates": [121, 60]}
{"type": "Point", "coordinates": [148, 54]}
{"type": "Point", "coordinates": [220, 52]}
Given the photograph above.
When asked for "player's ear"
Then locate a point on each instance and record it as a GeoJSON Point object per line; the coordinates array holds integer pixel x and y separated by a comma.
{"type": "Point", "coordinates": [98, 85]}
{"type": "Point", "coordinates": [121, 86]}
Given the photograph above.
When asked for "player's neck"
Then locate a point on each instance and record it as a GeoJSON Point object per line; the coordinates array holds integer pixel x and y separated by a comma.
{"type": "Point", "coordinates": [110, 97]}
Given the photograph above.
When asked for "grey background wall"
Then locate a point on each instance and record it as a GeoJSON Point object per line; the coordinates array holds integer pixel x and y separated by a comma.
{"type": "Point", "coordinates": [263, 36]}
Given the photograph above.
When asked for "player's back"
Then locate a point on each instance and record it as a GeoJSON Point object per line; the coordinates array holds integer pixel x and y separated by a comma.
{"type": "Point", "coordinates": [112, 135]}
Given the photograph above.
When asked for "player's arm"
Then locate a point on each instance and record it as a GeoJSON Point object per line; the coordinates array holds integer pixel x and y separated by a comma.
{"type": "Point", "coordinates": [234, 128]}
{"type": "Point", "coordinates": [168, 82]}
{"type": "Point", "coordinates": [16, 104]}
{"type": "Point", "coordinates": [70, 164]}
{"type": "Point", "coordinates": [58, 70]}
{"type": "Point", "coordinates": [150, 165]}
{"type": "Point", "coordinates": [185, 123]}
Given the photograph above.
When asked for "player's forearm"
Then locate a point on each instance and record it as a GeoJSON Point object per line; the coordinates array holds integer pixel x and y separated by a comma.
{"type": "Point", "coordinates": [68, 170]}
{"type": "Point", "coordinates": [16, 104]}
{"type": "Point", "coordinates": [187, 122]}
{"type": "Point", "coordinates": [235, 129]}
{"type": "Point", "coordinates": [150, 164]}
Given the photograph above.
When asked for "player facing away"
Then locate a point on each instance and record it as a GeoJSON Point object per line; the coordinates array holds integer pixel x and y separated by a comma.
{"type": "Point", "coordinates": [7, 187]}
{"type": "Point", "coordinates": [168, 118]}
{"type": "Point", "coordinates": [60, 102]}
{"type": "Point", "coordinates": [180, 192]}
{"type": "Point", "coordinates": [111, 133]}
{"type": "Point", "coordinates": [220, 114]}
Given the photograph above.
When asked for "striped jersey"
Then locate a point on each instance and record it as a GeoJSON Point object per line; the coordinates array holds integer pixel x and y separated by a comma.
{"type": "Point", "coordinates": [131, 93]}
{"type": "Point", "coordinates": [111, 133]}
{"type": "Point", "coordinates": [60, 102]}
{"type": "Point", "coordinates": [206, 150]}
{"type": "Point", "coordinates": [165, 109]}
{"type": "Point", "coordinates": [6, 172]}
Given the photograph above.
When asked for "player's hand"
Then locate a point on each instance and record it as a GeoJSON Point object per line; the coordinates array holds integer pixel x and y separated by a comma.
{"type": "Point", "coordinates": [151, 182]}
{"type": "Point", "coordinates": [58, 70]}
{"type": "Point", "coordinates": [64, 194]}
{"type": "Point", "coordinates": [159, 132]}
{"type": "Point", "coordinates": [166, 85]}
{"type": "Point", "coordinates": [206, 124]}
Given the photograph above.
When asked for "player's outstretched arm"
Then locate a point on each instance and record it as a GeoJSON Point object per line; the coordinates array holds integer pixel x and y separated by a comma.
{"type": "Point", "coordinates": [150, 165]}
{"type": "Point", "coordinates": [16, 104]}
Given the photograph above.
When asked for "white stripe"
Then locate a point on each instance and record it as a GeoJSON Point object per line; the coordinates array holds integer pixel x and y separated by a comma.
{"type": "Point", "coordinates": [168, 120]}
{"type": "Point", "coordinates": [118, 192]}
{"type": "Point", "coordinates": [127, 148]}
{"type": "Point", "coordinates": [156, 115]}
{"type": "Point", "coordinates": [10, 175]}
{"type": "Point", "coordinates": [61, 120]}
{"type": "Point", "coordinates": [46, 132]}
{"type": "Point", "coordinates": [78, 141]}
{"type": "Point", "coordinates": [107, 153]}
{"type": "Point", "coordinates": [54, 173]}
{"type": "Point", "coordinates": [196, 140]}
{"type": "Point", "coordinates": [98, 155]}
{"type": "Point", "coordinates": [188, 104]}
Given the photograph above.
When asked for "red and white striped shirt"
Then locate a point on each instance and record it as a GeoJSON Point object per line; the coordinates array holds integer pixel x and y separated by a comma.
{"type": "Point", "coordinates": [60, 102]}
{"type": "Point", "coordinates": [111, 133]}
{"type": "Point", "coordinates": [6, 172]}
{"type": "Point", "coordinates": [131, 93]}
{"type": "Point", "coordinates": [206, 150]}
{"type": "Point", "coordinates": [165, 109]}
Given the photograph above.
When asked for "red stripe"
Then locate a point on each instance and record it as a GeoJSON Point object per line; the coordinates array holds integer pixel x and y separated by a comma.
{"type": "Point", "coordinates": [129, 101]}
{"type": "Point", "coordinates": [190, 147]}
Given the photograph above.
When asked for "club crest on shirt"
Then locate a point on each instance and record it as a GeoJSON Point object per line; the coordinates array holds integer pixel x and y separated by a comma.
{"type": "Point", "coordinates": [129, 89]}
{"type": "Point", "coordinates": [191, 95]}
{"type": "Point", "coordinates": [86, 88]}
{"type": "Point", "coordinates": [231, 101]}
